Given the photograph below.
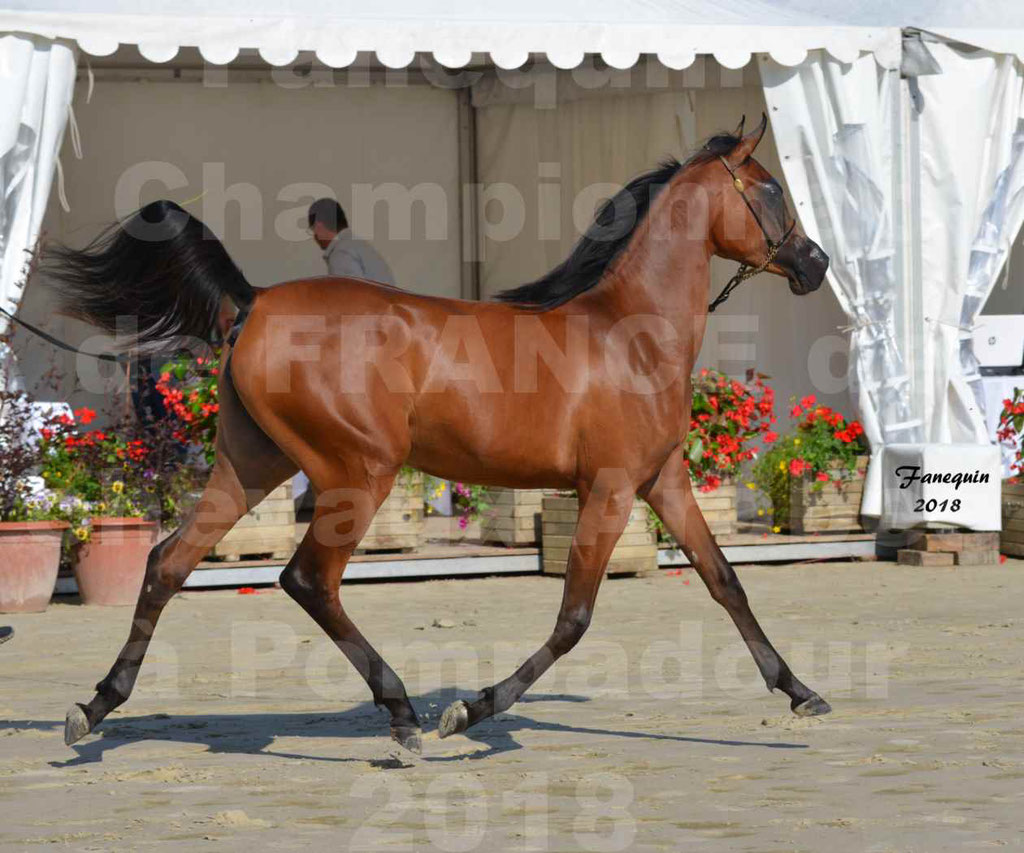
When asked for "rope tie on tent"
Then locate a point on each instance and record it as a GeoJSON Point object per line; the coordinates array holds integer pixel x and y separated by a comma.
{"type": "Point", "coordinates": [863, 324]}
{"type": "Point", "coordinates": [968, 329]}
{"type": "Point", "coordinates": [76, 147]}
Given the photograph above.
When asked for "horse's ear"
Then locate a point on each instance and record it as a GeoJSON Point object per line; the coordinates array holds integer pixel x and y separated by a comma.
{"type": "Point", "coordinates": [745, 147]}
{"type": "Point", "coordinates": [739, 128]}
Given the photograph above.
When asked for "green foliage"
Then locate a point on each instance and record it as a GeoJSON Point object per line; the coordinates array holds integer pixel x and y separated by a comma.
{"type": "Point", "coordinates": [1011, 429]}
{"type": "Point", "coordinates": [823, 442]}
{"type": "Point", "coordinates": [727, 418]}
{"type": "Point", "coordinates": [188, 386]}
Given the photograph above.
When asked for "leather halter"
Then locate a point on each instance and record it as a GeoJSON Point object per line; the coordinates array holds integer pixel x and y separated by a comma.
{"type": "Point", "coordinates": [745, 271]}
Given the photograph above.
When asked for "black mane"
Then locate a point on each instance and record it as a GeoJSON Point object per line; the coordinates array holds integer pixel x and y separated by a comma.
{"type": "Point", "coordinates": [609, 233]}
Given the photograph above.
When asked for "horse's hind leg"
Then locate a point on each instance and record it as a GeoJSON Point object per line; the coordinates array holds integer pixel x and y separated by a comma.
{"type": "Point", "coordinates": [249, 466]}
{"type": "Point", "coordinates": [671, 497]}
{"type": "Point", "coordinates": [313, 579]}
{"type": "Point", "coordinates": [603, 517]}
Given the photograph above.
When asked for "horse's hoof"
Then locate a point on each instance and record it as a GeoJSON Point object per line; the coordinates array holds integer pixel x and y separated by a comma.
{"type": "Point", "coordinates": [813, 707]}
{"type": "Point", "coordinates": [76, 725]}
{"type": "Point", "coordinates": [455, 719]}
{"type": "Point", "coordinates": [409, 737]}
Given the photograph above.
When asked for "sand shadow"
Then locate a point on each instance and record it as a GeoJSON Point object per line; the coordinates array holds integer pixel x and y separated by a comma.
{"type": "Point", "coordinates": [256, 733]}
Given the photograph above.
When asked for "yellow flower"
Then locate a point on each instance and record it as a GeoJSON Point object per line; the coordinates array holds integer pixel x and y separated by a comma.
{"type": "Point", "coordinates": [782, 466]}
{"type": "Point", "coordinates": [760, 512]}
{"type": "Point", "coordinates": [751, 486]}
{"type": "Point", "coordinates": [776, 529]}
{"type": "Point", "coordinates": [101, 507]}
{"type": "Point", "coordinates": [796, 441]}
{"type": "Point", "coordinates": [81, 534]}
{"type": "Point", "coordinates": [117, 487]}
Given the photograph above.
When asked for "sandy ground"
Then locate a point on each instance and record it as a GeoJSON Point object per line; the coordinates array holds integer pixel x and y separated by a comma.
{"type": "Point", "coordinates": [248, 731]}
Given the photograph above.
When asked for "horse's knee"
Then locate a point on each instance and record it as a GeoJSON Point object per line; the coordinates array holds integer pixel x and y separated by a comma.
{"type": "Point", "coordinates": [164, 576]}
{"type": "Point", "coordinates": [728, 592]}
{"type": "Point", "coordinates": [570, 628]}
{"type": "Point", "coordinates": [294, 582]}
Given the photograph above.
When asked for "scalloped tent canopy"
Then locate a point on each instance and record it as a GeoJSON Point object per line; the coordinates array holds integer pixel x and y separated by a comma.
{"type": "Point", "coordinates": [453, 30]}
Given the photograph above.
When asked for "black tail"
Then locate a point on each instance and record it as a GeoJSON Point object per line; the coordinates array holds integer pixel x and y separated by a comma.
{"type": "Point", "coordinates": [160, 269]}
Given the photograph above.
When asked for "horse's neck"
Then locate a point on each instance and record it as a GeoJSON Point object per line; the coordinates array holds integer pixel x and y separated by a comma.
{"type": "Point", "coordinates": [665, 269]}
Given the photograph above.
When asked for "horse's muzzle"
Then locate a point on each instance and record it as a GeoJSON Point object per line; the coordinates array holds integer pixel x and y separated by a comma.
{"type": "Point", "coordinates": [808, 267]}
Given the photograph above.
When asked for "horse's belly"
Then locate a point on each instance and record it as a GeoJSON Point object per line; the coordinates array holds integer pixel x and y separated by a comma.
{"type": "Point", "coordinates": [497, 441]}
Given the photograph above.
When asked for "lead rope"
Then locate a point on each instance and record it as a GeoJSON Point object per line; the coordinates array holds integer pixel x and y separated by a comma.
{"type": "Point", "coordinates": [743, 273]}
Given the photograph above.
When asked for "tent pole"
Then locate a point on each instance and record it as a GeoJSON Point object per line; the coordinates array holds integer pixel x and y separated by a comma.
{"type": "Point", "coordinates": [467, 202]}
{"type": "Point", "coordinates": [906, 198]}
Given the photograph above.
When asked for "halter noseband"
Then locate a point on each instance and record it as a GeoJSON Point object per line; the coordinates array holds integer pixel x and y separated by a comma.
{"type": "Point", "coordinates": [745, 271]}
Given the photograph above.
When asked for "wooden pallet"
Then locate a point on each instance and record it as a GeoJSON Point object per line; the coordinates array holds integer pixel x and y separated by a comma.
{"type": "Point", "coordinates": [512, 517]}
{"type": "Point", "coordinates": [398, 524]}
{"type": "Point", "coordinates": [948, 548]}
{"type": "Point", "coordinates": [719, 508]}
{"type": "Point", "coordinates": [1011, 537]}
{"type": "Point", "coordinates": [635, 554]}
{"type": "Point", "coordinates": [268, 529]}
{"type": "Point", "coordinates": [831, 508]}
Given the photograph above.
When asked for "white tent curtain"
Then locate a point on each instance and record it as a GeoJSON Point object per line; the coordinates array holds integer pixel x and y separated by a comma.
{"type": "Point", "coordinates": [36, 82]}
{"type": "Point", "coordinates": [972, 207]}
{"type": "Point", "coordinates": [833, 128]}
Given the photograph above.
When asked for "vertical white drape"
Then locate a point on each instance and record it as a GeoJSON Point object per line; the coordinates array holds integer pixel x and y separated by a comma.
{"type": "Point", "coordinates": [833, 128]}
{"type": "Point", "coordinates": [972, 207]}
{"type": "Point", "coordinates": [36, 81]}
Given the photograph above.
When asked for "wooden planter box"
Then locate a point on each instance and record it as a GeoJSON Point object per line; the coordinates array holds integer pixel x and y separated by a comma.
{"type": "Point", "coordinates": [830, 509]}
{"type": "Point", "coordinates": [267, 529]}
{"type": "Point", "coordinates": [512, 517]}
{"type": "Point", "coordinates": [635, 553]}
{"type": "Point", "coordinates": [1011, 537]}
{"type": "Point", "coordinates": [398, 524]}
{"type": "Point", "coordinates": [719, 508]}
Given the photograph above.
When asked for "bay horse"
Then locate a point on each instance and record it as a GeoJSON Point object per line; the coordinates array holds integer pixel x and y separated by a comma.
{"type": "Point", "coordinates": [579, 380]}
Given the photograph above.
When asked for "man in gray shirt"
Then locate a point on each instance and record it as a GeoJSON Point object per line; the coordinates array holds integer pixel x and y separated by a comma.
{"type": "Point", "coordinates": [345, 256]}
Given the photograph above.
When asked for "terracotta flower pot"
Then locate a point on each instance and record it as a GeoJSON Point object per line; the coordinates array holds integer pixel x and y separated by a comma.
{"type": "Point", "coordinates": [112, 564]}
{"type": "Point", "coordinates": [29, 560]}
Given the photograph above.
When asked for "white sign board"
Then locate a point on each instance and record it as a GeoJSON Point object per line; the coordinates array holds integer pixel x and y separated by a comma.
{"type": "Point", "coordinates": [954, 484]}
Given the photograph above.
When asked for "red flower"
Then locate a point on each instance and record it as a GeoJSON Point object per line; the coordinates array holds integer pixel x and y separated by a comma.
{"type": "Point", "coordinates": [808, 401]}
{"type": "Point", "coordinates": [770, 437]}
{"type": "Point", "coordinates": [822, 477]}
{"type": "Point", "coordinates": [85, 415]}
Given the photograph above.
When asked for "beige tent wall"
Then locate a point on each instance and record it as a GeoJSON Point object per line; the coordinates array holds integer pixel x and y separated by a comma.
{"type": "Point", "coordinates": [1008, 295]}
{"type": "Point", "coordinates": [274, 148]}
{"type": "Point", "coordinates": [605, 136]}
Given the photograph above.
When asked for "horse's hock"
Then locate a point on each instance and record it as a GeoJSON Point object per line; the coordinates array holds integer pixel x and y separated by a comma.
{"type": "Point", "coordinates": [268, 528]}
{"type": "Point", "coordinates": [636, 552]}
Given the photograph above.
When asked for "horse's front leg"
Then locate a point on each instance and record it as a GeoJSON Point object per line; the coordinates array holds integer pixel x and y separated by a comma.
{"type": "Point", "coordinates": [604, 511]}
{"type": "Point", "coordinates": [671, 497]}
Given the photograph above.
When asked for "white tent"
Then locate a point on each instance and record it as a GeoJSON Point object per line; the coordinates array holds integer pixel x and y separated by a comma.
{"type": "Point", "coordinates": [916, 205]}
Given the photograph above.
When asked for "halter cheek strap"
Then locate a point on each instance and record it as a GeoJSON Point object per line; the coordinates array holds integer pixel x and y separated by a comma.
{"type": "Point", "coordinates": [745, 271]}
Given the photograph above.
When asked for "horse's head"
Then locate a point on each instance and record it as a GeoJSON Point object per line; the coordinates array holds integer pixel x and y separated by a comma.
{"type": "Point", "coordinates": [754, 226]}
